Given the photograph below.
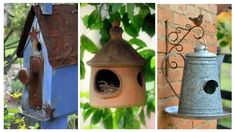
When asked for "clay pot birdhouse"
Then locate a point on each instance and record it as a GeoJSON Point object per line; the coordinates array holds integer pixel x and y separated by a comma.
{"type": "Point", "coordinates": [117, 76]}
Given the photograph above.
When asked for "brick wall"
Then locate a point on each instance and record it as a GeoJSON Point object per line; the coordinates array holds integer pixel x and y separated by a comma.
{"type": "Point", "coordinates": [177, 15]}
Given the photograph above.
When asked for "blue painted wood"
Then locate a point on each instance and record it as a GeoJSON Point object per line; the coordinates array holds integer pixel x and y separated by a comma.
{"type": "Point", "coordinates": [46, 8]}
{"type": "Point", "coordinates": [64, 97]}
{"type": "Point", "coordinates": [58, 123]}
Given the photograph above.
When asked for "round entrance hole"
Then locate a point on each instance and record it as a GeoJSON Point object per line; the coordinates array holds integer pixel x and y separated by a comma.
{"type": "Point", "coordinates": [140, 78]}
{"type": "Point", "coordinates": [210, 86]}
{"type": "Point", "coordinates": [106, 82]}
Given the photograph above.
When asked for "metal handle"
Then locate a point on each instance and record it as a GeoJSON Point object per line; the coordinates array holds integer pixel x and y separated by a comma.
{"type": "Point", "coordinates": [162, 64]}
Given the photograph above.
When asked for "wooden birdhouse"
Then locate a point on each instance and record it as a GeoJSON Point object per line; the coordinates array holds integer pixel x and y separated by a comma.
{"type": "Point", "coordinates": [117, 76]}
{"type": "Point", "coordinates": [48, 45]}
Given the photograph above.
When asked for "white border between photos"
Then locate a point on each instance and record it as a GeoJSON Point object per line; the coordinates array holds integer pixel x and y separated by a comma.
{"type": "Point", "coordinates": [106, 1]}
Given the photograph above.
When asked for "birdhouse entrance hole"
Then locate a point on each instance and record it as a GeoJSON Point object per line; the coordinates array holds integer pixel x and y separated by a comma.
{"type": "Point", "coordinates": [210, 86]}
{"type": "Point", "coordinates": [140, 78]}
{"type": "Point", "coordinates": [39, 47]}
{"type": "Point", "coordinates": [106, 82]}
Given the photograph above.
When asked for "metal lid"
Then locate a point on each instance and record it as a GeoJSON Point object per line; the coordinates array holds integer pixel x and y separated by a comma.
{"type": "Point", "coordinates": [117, 52]}
{"type": "Point", "coordinates": [201, 50]}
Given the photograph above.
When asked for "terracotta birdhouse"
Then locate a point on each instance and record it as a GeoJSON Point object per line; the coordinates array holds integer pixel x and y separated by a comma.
{"type": "Point", "coordinates": [117, 76]}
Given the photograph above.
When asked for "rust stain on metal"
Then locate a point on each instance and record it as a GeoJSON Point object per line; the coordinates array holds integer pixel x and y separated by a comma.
{"type": "Point", "coordinates": [59, 32]}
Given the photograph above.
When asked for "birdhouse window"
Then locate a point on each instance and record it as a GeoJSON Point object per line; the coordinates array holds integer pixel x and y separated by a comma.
{"type": "Point", "coordinates": [140, 78]}
{"type": "Point", "coordinates": [210, 86]}
{"type": "Point", "coordinates": [106, 82]}
{"type": "Point", "coordinates": [39, 47]}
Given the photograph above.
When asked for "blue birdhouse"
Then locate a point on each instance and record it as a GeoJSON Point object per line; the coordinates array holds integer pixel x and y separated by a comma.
{"type": "Point", "coordinates": [48, 46]}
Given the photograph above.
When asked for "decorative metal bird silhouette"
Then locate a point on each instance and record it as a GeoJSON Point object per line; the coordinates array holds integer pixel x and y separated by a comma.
{"type": "Point", "coordinates": [197, 20]}
{"type": "Point", "coordinates": [105, 87]}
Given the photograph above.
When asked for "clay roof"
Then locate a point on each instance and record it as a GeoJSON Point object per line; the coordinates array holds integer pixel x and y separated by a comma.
{"type": "Point", "coordinates": [59, 31]}
{"type": "Point", "coordinates": [117, 52]}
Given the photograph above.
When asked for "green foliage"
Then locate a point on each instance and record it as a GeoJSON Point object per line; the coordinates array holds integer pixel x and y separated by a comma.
{"type": "Point", "coordinates": [16, 86]}
{"type": "Point", "coordinates": [73, 121]}
{"type": "Point", "coordinates": [16, 15]}
{"type": "Point", "coordinates": [224, 34]}
{"type": "Point", "coordinates": [19, 12]}
{"type": "Point", "coordinates": [13, 120]}
{"type": "Point", "coordinates": [134, 18]}
{"type": "Point", "coordinates": [122, 118]}
{"type": "Point", "coordinates": [224, 28]}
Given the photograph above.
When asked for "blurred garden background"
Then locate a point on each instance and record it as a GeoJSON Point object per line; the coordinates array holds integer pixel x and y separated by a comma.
{"type": "Point", "coordinates": [224, 36]}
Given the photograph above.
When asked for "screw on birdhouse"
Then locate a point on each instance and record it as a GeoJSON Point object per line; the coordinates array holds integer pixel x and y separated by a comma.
{"type": "Point", "coordinates": [49, 111]}
{"type": "Point", "coordinates": [106, 87]}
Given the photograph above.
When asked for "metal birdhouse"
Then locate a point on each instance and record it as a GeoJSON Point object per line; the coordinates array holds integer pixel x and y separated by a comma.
{"type": "Point", "coordinates": [200, 96]}
{"type": "Point", "coordinates": [48, 45]}
{"type": "Point", "coordinates": [117, 76]}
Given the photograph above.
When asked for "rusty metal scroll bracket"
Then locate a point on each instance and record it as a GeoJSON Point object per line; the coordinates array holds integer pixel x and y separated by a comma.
{"type": "Point", "coordinates": [173, 40]}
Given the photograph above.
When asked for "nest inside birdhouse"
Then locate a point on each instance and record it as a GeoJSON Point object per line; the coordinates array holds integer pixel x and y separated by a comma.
{"type": "Point", "coordinates": [106, 82]}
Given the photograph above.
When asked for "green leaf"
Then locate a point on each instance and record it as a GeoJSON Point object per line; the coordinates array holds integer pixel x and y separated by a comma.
{"type": "Point", "coordinates": [116, 7]}
{"type": "Point", "coordinates": [130, 10]}
{"type": "Point", "coordinates": [223, 43]}
{"type": "Point", "coordinates": [87, 113]}
{"type": "Point", "coordinates": [150, 105]}
{"type": "Point", "coordinates": [152, 64]}
{"type": "Point", "coordinates": [149, 73]}
{"type": "Point", "coordinates": [131, 30]}
{"type": "Point", "coordinates": [149, 25]}
{"type": "Point", "coordinates": [85, 21]}
{"type": "Point", "coordinates": [82, 49]}
{"type": "Point", "coordinates": [123, 10]}
{"type": "Point", "coordinates": [142, 117]}
{"type": "Point", "coordinates": [119, 118]}
{"type": "Point", "coordinates": [115, 17]}
{"type": "Point", "coordinates": [144, 11]}
{"type": "Point", "coordinates": [108, 119]}
{"type": "Point", "coordinates": [137, 42]}
{"type": "Point", "coordinates": [85, 105]}
{"type": "Point", "coordinates": [130, 121]}
{"type": "Point", "coordinates": [104, 31]}
{"type": "Point", "coordinates": [95, 20]}
{"type": "Point", "coordinates": [138, 22]}
{"type": "Point", "coordinates": [220, 35]}
{"type": "Point", "coordinates": [97, 116]}
{"type": "Point", "coordinates": [151, 5]}
{"type": "Point", "coordinates": [88, 44]}
{"type": "Point", "coordinates": [147, 53]}
{"type": "Point", "coordinates": [82, 70]}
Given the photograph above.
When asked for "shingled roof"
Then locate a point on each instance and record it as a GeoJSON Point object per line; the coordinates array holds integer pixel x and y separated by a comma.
{"type": "Point", "coordinates": [59, 31]}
